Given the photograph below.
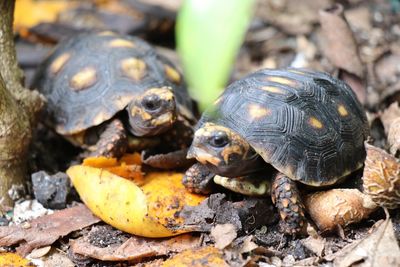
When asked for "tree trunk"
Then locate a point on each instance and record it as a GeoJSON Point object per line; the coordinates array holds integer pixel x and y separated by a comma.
{"type": "Point", "coordinates": [18, 109]}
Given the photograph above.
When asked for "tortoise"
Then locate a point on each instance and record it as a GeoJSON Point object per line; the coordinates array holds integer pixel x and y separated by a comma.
{"type": "Point", "coordinates": [101, 86]}
{"type": "Point", "coordinates": [305, 125]}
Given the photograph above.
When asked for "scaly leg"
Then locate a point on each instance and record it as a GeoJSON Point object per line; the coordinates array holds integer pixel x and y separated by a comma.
{"type": "Point", "coordinates": [286, 197]}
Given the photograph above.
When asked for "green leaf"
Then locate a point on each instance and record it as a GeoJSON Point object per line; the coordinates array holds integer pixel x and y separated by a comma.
{"type": "Point", "coordinates": [209, 35]}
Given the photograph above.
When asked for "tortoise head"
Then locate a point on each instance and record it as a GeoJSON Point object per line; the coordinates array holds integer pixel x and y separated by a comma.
{"type": "Point", "coordinates": [223, 151]}
{"type": "Point", "coordinates": [153, 112]}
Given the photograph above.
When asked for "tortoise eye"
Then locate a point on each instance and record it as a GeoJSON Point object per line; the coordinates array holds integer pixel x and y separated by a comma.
{"type": "Point", "coordinates": [220, 139]}
{"type": "Point", "coordinates": [151, 102]}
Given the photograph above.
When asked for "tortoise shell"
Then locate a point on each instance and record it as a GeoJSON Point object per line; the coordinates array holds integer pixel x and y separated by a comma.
{"type": "Point", "coordinates": [308, 125]}
{"type": "Point", "coordinates": [88, 78]}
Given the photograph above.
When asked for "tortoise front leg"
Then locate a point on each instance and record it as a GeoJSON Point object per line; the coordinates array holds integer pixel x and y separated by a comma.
{"type": "Point", "coordinates": [113, 141]}
{"type": "Point", "coordinates": [198, 179]}
{"type": "Point", "coordinates": [286, 197]}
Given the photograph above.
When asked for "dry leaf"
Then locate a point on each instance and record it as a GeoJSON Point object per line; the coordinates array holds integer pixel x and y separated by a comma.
{"type": "Point", "coordinates": [390, 118]}
{"type": "Point", "coordinates": [39, 252]}
{"type": "Point", "coordinates": [201, 257]}
{"type": "Point", "coordinates": [134, 248]}
{"type": "Point", "coordinates": [378, 249]}
{"type": "Point", "coordinates": [359, 18]}
{"type": "Point", "coordinates": [57, 258]}
{"type": "Point", "coordinates": [334, 207]}
{"type": "Point", "coordinates": [223, 235]}
{"type": "Point", "coordinates": [394, 137]}
{"type": "Point", "coordinates": [316, 245]}
{"type": "Point", "coordinates": [389, 115]}
{"type": "Point", "coordinates": [381, 178]}
{"type": "Point", "coordinates": [339, 46]}
{"type": "Point", "coordinates": [47, 229]}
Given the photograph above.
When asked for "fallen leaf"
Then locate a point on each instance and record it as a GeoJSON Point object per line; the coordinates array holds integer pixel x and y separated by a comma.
{"type": "Point", "coordinates": [150, 210]}
{"type": "Point", "coordinates": [39, 252]}
{"type": "Point", "coordinates": [172, 5]}
{"type": "Point", "coordinates": [381, 178]}
{"type": "Point", "coordinates": [57, 258]}
{"type": "Point", "coordinates": [13, 259]}
{"type": "Point", "coordinates": [245, 215]}
{"type": "Point", "coordinates": [201, 257]}
{"type": "Point", "coordinates": [359, 18]}
{"type": "Point", "coordinates": [387, 72]}
{"type": "Point", "coordinates": [378, 249]}
{"type": "Point", "coordinates": [248, 245]}
{"type": "Point", "coordinates": [390, 118]}
{"type": "Point", "coordinates": [394, 137]}
{"type": "Point", "coordinates": [339, 46]}
{"type": "Point", "coordinates": [223, 235]}
{"type": "Point", "coordinates": [135, 248]}
{"type": "Point", "coordinates": [47, 229]}
{"type": "Point", "coordinates": [389, 115]}
{"type": "Point", "coordinates": [289, 16]}
{"type": "Point", "coordinates": [315, 245]}
{"type": "Point", "coordinates": [334, 207]}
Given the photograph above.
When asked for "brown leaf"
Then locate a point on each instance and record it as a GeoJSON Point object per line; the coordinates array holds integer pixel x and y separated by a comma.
{"type": "Point", "coordinates": [339, 43]}
{"type": "Point", "coordinates": [223, 235]}
{"type": "Point", "coordinates": [339, 46]}
{"type": "Point", "coordinates": [291, 16]}
{"type": "Point", "coordinates": [47, 229]}
{"type": "Point", "coordinates": [387, 73]}
{"type": "Point", "coordinates": [378, 249]}
{"type": "Point", "coordinates": [389, 115]}
{"type": "Point", "coordinates": [394, 137]}
{"type": "Point", "coordinates": [359, 18]}
{"type": "Point", "coordinates": [134, 248]}
{"type": "Point", "coordinates": [57, 258]}
{"type": "Point", "coordinates": [390, 118]}
{"type": "Point", "coordinates": [316, 245]}
{"type": "Point", "coordinates": [381, 178]}
{"type": "Point", "coordinates": [338, 207]}
{"type": "Point", "coordinates": [356, 84]}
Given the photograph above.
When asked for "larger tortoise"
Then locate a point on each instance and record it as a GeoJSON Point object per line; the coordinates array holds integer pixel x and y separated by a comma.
{"type": "Point", "coordinates": [91, 78]}
{"type": "Point", "coordinates": [307, 125]}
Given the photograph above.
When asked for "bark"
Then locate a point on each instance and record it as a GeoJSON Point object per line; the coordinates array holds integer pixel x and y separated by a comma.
{"type": "Point", "coordinates": [18, 109]}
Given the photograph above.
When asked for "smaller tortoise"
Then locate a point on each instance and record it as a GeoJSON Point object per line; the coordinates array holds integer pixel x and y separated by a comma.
{"type": "Point", "coordinates": [306, 125]}
{"type": "Point", "coordinates": [91, 78]}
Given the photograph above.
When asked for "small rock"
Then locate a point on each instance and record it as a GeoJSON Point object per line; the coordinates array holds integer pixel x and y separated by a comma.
{"type": "Point", "coordinates": [28, 210]}
{"type": "Point", "coordinates": [275, 261]}
{"type": "Point", "coordinates": [223, 235]}
{"type": "Point", "coordinates": [289, 260]}
{"type": "Point", "coordinates": [51, 190]}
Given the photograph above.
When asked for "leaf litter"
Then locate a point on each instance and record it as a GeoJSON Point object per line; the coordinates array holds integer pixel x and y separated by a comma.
{"type": "Point", "coordinates": [284, 33]}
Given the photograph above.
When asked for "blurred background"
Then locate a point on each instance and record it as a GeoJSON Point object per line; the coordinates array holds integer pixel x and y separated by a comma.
{"type": "Point", "coordinates": [272, 34]}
